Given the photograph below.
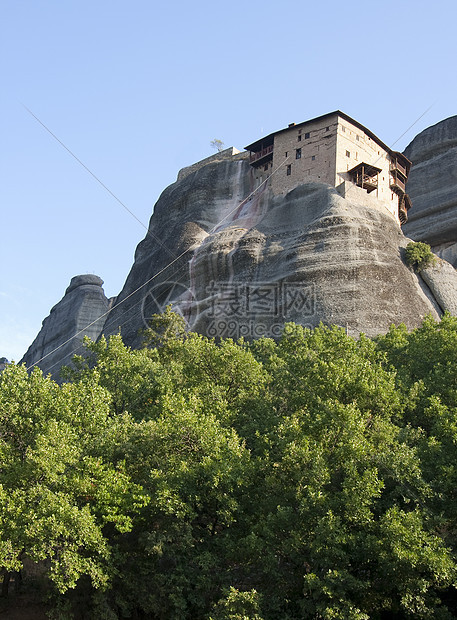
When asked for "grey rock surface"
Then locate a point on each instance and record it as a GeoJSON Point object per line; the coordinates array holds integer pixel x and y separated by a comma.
{"type": "Point", "coordinates": [441, 279]}
{"type": "Point", "coordinates": [235, 264]}
{"type": "Point", "coordinates": [81, 309]}
{"type": "Point", "coordinates": [432, 186]}
{"type": "Point", "coordinates": [238, 261]}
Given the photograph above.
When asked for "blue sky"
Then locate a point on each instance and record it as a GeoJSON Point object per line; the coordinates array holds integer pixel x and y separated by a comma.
{"type": "Point", "coordinates": [137, 90]}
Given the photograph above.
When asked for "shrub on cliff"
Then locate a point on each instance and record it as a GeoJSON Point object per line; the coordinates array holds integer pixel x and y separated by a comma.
{"type": "Point", "coordinates": [419, 255]}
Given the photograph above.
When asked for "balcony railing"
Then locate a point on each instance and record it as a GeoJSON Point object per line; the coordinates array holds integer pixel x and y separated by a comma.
{"type": "Point", "coordinates": [259, 154]}
{"type": "Point", "coordinates": [397, 184]}
{"type": "Point", "coordinates": [396, 165]}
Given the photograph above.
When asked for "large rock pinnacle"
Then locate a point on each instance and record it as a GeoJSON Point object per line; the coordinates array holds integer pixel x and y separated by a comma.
{"type": "Point", "coordinates": [81, 312]}
{"type": "Point", "coordinates": [432, 186]}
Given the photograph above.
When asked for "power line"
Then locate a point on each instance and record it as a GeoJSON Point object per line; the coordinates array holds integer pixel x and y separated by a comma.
{"type": "Point", "coordinates": [99, 181]}
{"type": "Point", "coordinates": [238, 206]}
{"type": "Point", "coordinates": [175, 258]}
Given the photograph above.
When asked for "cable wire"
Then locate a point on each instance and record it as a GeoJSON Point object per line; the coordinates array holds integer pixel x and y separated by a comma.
{"type": "Point", "coordinates": [238, 206]}
{"type": "Point", "coordinates": [149, 232]}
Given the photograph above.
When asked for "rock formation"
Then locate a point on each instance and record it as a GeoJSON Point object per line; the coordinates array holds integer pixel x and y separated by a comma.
{"type": "Point", "coordinates": [81, 311]}
{"type": "Point", "coordinates": [432, 186]}
{"type": "Point", "coordinates": [239, 265]}
{"type": "Point", "coordinates": [239, 261]}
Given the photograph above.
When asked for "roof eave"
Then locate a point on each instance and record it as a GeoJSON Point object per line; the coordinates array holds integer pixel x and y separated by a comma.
{"type": "Point", "coordinates": [338, 113]}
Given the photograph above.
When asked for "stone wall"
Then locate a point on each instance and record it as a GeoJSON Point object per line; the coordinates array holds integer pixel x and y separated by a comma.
{"type": "Point", "coordinates": [229, 153]}
{"type": "Point", "coordinates": [362, 148]}
{"type": "Point", "coordinates": [315, 160]}
{"type": "Point", "coordinates": [323, 152]}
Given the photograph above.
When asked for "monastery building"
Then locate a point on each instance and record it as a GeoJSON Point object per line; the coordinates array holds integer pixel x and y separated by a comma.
{"type": "Point", "coordinates": [337, 150]}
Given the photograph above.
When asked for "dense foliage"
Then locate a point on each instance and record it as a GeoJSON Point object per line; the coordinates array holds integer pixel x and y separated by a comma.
{"type": "Point", "coordinates": [419, 255]}
{"type": "Point", "coordinates": [313, 477]}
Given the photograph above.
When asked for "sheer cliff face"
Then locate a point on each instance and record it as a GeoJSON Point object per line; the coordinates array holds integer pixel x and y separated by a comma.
{"type": "Point", "coordinates": [82, 309]}
{"type": "Point", "coordinates": [432, 186]}
{"type": "Point", "coordinates": [235, 265]}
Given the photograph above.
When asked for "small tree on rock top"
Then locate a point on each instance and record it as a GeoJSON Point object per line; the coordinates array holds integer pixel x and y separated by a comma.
{"type": "Point", "coordinates": [217, 145]}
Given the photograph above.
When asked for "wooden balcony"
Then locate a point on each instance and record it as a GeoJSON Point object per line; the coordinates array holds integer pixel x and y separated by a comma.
{"type": "Point", "coordinates": [397, 183]}
{"type": "Point", "coordinates": [260, 157]}
{"type": "Point", "coordinates": [397, 166]}
{"type": "Point", "coordinates": [365, 176]}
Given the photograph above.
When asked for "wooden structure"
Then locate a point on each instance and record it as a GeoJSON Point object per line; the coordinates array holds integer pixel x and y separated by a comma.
{"type": "Point", "coordinates": [365, 176]}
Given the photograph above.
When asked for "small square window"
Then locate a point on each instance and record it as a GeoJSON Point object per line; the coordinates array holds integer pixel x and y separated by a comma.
{"type": "Point", "coordinates": [297, 153]}
{"type": "Point", "coordinates": [289, 170]}
{"type": "Point", "coordinates": [348, 154]}
{"type": "Point", "coordinates": [307, 135]}
{"type": "Point", "coordinates": [313, 158]}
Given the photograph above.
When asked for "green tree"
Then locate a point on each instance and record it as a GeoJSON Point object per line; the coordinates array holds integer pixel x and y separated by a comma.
{"type": "Point", "coordinates": [309, 477]}
{"type": "Point", "coordinates": [217, 144]}
{"type": "Point", "coordinates": [58, 493]}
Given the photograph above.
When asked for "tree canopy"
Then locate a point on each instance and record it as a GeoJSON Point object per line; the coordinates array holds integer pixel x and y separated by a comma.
{"type": "Point", "coordinates": [312, 477]}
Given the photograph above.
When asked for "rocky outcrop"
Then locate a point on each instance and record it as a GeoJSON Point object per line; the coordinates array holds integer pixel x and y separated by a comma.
{"type": "Point", "coordinates": [239, 261]}
{"type": "Point", "coordinates": [236, 264]}
{"type": "Point", "coordinates": [81, 312]}
{"type": "Point", "coordinates": [432, 186]}
{"type": "Point", "coordinates": [441, 279]}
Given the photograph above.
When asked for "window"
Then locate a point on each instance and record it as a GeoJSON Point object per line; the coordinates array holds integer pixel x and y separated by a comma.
{"type": "Point", "coordinates": [289, 169]}
{"type": "Point", "coordinates": [343, 128]}
{"type": "Point", "coordinates": [327, 129]}
{"type": "Point", "coordinates": [313, 158]}
{"type": "Point", "coordinates": [348, 154]}
{"type": "Point", "coordinates": [299, 137]}
{"type": "Point", "coordinates": [357, 137]}
{"type": "Point", "coordinates": [297, 153]}
{"type": "Point", "coordinates": [265, 167]}
{"type": "Point", "coordinates": [307, 135]}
